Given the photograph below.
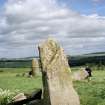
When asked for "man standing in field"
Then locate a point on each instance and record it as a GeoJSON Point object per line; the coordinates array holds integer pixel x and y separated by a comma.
{"type": "Point", "coordinates": [89, 71]}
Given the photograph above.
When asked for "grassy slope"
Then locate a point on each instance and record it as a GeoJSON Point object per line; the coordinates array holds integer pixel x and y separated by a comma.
{"type": "Point", "coordinates": [91, 93]}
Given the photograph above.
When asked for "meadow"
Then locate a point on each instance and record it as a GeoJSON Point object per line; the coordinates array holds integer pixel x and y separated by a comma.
{"type": "Point", "coordinates": [91, 93]}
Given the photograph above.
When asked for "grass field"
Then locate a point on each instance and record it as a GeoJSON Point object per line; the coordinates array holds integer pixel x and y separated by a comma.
{"type": "Point", "coordinates": [9, 80]}
{"type": "Point", "coordinates": [91, 93]}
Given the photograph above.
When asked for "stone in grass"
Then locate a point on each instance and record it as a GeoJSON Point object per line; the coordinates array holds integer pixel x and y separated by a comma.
{"type": "Point", "coordinates": [34, 68]}
{"type": "Point", "coordinates": [33, 98]}
{"type": "Point", "coordinates": [57, 81]}
{"type": "Point", "coordinates": [19, 97]}
{"type": "Point", "coordinates": [80, 75]}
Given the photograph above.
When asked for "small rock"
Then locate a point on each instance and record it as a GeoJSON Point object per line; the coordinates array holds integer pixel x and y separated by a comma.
{"type": "Point", "coordinates": [35, 102]}
{"type": "Point", "coordinates": [19, 97]}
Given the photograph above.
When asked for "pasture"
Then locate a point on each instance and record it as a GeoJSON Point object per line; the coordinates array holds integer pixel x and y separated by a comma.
{"type": "Point", "coordinates": [91, 93]}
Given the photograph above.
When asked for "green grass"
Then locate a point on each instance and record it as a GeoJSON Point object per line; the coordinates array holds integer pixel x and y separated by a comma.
{"type": "Point", "coordinates": [91, 93]}
{"type": "Point", "coordinates": [9, 80]}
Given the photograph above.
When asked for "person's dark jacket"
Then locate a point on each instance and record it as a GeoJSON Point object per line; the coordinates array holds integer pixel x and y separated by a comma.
{"type": "Point", "coordinates": [89, 71]}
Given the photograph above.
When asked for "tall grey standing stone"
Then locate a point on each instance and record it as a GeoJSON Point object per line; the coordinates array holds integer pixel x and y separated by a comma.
{"type": "Point", "coordinates": [57, 83]}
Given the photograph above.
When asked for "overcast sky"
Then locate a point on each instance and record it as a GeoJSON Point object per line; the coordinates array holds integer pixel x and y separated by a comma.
{"type": "Point", "coordinates": [78, 25]}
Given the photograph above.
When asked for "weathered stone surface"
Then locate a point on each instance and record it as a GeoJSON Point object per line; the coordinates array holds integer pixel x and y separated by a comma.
{"type": "Point", "coordinates": [19, 97]}
{"type": "Point", "coordinates": [80, 75]}
{"type": "Point", "coordinates": [30, 99]}
{"type": "Point", "coordinates": [35, 63]}
{"type": "Point", "coordinates": [57, 83]}
{"type": "Point", "coordinates": [35, 67]}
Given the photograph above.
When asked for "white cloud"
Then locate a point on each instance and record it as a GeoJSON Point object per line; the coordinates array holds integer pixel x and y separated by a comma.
{"type": "Point", "coordinates": [25, 22]}
{"type": "Point", "coordinates": [97, 1]}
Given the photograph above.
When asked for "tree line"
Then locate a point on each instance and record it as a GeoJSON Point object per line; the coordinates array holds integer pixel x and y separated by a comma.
{"type": "Point", "coordinates": [73, 61]}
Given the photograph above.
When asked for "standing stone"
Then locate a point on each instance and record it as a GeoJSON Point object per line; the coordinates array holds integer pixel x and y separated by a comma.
{"type": "Point", "coordinates": [35, 67]}
{"type": "Point", "coordinates": [56, 74]}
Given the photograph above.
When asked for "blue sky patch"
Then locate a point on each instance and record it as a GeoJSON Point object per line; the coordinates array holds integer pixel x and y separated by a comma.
{"type": "Point", "coordinates": [85, 6]}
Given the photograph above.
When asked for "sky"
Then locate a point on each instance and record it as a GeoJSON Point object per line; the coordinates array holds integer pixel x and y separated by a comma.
{"type": "Point", "coordinates": [78, 25]}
